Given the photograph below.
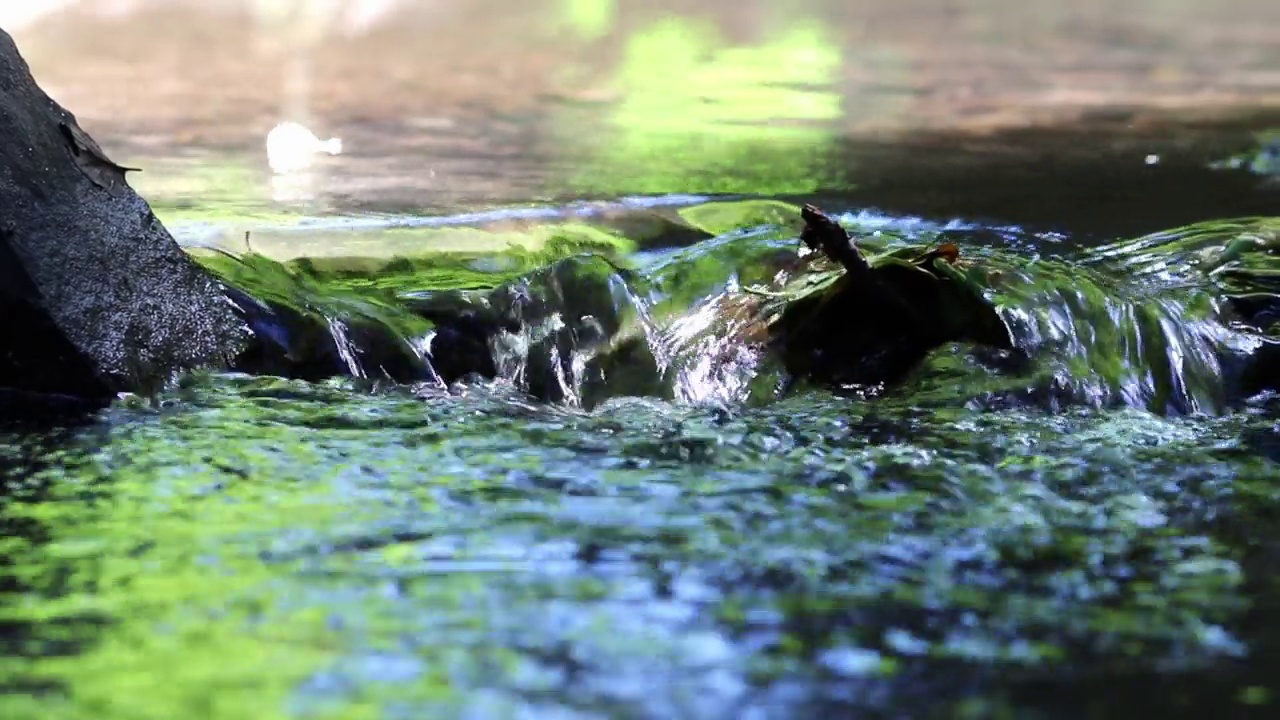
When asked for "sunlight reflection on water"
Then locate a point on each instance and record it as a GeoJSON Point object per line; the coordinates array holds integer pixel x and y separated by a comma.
{"type": "Point", "coordinates": [450, 105]}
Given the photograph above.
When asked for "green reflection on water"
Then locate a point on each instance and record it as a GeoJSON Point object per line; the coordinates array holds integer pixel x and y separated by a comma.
{"type": "Point", "coordinates": [270, 548]}
{"type": "Point", "coordinates": [699, 115]}
{"type": "Point", "coordinates": [589, 19]}
{"type": "Point", "coordinates": [207, 189]}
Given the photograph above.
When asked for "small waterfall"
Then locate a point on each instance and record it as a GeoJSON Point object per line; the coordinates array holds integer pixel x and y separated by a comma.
{"type": "Point", "coordinates": [556, 321]}
{"type": "Point", "coordinates": [347, 350]}
{"type": "Point", "coordinates": [1147, 323]}
{"type": "Point", "coordinates": [1151, 353]}
{"type": "Point", "coordinates": [584, 330]}
{"type": "Point", "coordinates": [685, 331]}
{"type": "Point", "coordinates": [1175, 322]}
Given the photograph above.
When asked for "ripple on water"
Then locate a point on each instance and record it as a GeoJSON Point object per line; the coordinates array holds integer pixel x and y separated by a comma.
{"type": "Point", "coordinates": [266, 545]}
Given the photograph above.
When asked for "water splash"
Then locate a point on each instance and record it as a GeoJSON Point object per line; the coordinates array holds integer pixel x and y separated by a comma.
{"type": "Point", "coordinates": [347, 350]}
{"type": "Point", "coordinates": [1152, 323]}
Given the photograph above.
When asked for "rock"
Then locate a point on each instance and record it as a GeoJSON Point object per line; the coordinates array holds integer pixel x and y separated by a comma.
{"type": "Point", "coordinates": [95, 296]}
{"type": "Point", "coordinates": [309, 330]}
{"type": "Point", "coordinates": [535, 330]}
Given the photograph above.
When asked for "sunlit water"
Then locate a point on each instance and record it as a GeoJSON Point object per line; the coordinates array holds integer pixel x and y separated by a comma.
{"type": "Point", "coordinates": [263, 548]}
{"type": "Point", "coordinates": [975, 543]}
{"type": "Point", "coordinates": [1091, 537]}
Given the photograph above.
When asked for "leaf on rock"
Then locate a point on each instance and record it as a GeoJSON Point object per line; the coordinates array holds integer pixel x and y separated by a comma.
{"type": "Point", "coordinates": [92, 161]}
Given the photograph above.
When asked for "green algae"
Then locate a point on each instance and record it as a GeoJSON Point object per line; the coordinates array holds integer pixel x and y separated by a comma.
{"type": "Point", "coordinates": [371, 241]}
{"type": "Point", "coordinates": [720, 218]}
{"type": "Point", "coordinates": [305, 327]}
{"type": "Point", "coordinates": [473, 258]}
{"type": "Point", "coordinates": [270, 548]}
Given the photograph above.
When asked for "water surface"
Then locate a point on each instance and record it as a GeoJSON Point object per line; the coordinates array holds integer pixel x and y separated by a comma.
{"type": "Point", "coordinates": [262, 547]}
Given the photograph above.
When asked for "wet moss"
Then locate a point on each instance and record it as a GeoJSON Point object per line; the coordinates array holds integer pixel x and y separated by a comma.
{"type": "Point", "coordinates": [289, 549]}
{"type": "Point", "coordinates": [1177, 322]}
{"type": "Point", "coordinates": [720, 218]}
{"type": "Point", "coordinates": [309, 329]}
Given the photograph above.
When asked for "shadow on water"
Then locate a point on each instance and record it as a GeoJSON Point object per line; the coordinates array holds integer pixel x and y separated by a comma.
{"type": "Point", "coordinates": [1119, 175]}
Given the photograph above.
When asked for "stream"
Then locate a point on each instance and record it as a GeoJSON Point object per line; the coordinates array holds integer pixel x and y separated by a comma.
{"type": "Point", "coordinates": [680, 535]}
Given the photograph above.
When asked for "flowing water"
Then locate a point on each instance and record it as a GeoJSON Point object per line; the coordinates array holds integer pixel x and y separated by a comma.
{"type": "Point", "coordinates": [646, 527]}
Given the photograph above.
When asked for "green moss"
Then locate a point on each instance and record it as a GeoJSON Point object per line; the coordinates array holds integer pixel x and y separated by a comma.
{"type": "Point", "coordinates": [719, 218]}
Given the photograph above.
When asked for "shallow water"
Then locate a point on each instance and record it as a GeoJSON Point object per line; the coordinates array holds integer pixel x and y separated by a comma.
{"type": "Point", "coordinates": [348, 548]}
{"type": "Point", "coordinates": [1087, 540]}
{"type": "Point", "coordinates": [264, 547]}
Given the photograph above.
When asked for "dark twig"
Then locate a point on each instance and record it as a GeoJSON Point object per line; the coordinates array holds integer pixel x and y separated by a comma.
{"type": "Point", "coordinates": [822, 233]}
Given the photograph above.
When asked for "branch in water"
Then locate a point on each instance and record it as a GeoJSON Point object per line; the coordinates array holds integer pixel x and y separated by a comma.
{"type": "Point", "coordinates": [822, 233]}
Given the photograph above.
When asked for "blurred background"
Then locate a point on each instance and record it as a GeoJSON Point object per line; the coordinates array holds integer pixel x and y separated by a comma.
{"type": "Point", "coordinates": [450, 104]}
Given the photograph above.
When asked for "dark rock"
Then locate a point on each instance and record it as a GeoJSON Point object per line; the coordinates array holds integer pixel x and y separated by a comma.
{"type": "Point", "coordinates": [309, 328]}
{"type": "Point", "coordinates": [530, 329]}
{"type": "Point", "coordinates": [95, 296]}
{"type": "Point", "coordinates": [305, 344]}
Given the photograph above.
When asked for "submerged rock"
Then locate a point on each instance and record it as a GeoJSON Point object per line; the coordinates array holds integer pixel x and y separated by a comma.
{"type": "Point", "coordinates": [306, 330]}
{"type": "Point", "coordinates": [96, 297]}
{"type": "Point", "coordinates": [1177, 322]}
{"type": "Point", "coordinates": [584, 330]}
{"type": "Point", "coordinates": [871, 320]}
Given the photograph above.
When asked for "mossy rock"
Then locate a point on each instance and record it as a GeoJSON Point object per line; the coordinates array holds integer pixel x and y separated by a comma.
{"type": "Point", "coordinates": [310, 330]}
